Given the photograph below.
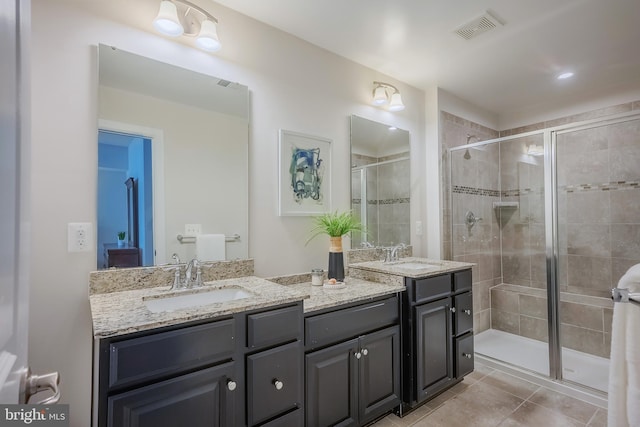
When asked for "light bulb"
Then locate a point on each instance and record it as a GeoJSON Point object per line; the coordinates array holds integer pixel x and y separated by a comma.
{"type": "Point", "coordinates": [379, 96]}
{"type": "Point", "coordinates": [208, 37]}
{"type": "Point", "coordinates": [167, 21]}
{"type": "Point", "coordinates": [396, 102]}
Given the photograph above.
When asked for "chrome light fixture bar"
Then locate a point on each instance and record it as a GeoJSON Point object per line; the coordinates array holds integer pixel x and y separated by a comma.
{"type": "Point", "coordinates": [382, 95]}
{"type": "Point", "coordinates": [181, 17]}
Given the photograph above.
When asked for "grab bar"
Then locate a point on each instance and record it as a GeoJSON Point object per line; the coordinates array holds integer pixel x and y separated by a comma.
{"type": "Point", "coordinates": [192, 239]}
{"type": "Point", "coordinates": [622, 295]}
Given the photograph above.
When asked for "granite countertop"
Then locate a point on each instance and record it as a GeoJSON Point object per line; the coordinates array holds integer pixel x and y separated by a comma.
{"type": "Point", "coordinates": [123, 312]}
{"type": "Point", "coordinates": [118, 313]}
{"type": "Point", "coordinates": [406, 267]}
{"type": "Point", "coordinates": [355, 290]}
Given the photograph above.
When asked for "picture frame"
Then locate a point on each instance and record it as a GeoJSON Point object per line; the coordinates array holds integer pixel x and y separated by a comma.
{"type": "Point", "coordinates": [304, 167]}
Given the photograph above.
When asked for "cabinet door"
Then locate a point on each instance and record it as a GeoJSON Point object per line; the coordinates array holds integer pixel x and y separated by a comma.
{"type": "Point", "coordinates": [331, 381]}
{"type": "Point", "coordinates": [199, 399]}
{"type": "Point", "coordinates": [274, 382]}
{"type": "Point", "coordinates": [379, 373]}
{"type": "Point", "coordinates": [464, 313]}
{"type": "Point", "coordinates": [433, 347]}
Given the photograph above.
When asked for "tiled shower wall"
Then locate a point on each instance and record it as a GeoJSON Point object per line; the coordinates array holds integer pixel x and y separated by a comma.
{"type": "Point", "coordinates": [475, 189]}
{"type": "Point", "coordinates": [599, 225]}
{"type": "Point", "coordinates": [388, 199]}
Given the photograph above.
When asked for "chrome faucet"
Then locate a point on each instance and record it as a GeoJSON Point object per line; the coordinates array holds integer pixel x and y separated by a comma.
{"type": "Point", "coordinates": [395, 249]}
{"type": "Point", "coordinates": [391, 252]}
{"type": "Point", "coordinates": [188, 273]}
{"type": "Point", "coordinates": [188, 282]}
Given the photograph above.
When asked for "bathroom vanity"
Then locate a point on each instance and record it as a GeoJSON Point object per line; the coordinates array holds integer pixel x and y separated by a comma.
{"type": "Point", "coordinates": [278, 355]}
{"type": "Point", "coordinates": [436, 314]}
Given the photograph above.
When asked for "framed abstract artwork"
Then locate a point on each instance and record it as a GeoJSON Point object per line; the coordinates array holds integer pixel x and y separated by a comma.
{"type": "Point", "coordinates": [304, 167]}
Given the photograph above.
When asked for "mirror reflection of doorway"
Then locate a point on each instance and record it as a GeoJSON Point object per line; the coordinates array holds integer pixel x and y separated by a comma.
{"type": "Point", "coordinates": [122, 156]}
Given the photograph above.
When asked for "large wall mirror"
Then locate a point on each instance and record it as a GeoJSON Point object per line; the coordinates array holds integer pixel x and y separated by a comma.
{"type": "Point", "coordinates": [183, 137]}
{"type": "Point", "coordinates": [380, 182]}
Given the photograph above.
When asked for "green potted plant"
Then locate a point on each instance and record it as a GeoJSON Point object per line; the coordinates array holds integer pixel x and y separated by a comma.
{"type": "Point", "coordinates": [335, 225]}
{"type": "Point", "coordinates": [121, 235]}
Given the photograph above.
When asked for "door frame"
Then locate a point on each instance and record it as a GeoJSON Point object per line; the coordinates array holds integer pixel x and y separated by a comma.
{"type": "Point", "coordinates": [157, 159]}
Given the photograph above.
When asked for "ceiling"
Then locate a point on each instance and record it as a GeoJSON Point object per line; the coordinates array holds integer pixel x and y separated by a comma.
{"type": "Point", "coordinates": [510, 68]}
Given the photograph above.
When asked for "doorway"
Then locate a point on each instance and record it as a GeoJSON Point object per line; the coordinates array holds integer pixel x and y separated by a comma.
{"type": "Point", "coordinates": [125, 157]}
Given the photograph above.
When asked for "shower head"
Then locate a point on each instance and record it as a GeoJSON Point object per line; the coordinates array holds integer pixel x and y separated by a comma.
{"type": "Point", "coordinates": [467, 155]}
{"type": "Point", "coordinates": [469, 136]}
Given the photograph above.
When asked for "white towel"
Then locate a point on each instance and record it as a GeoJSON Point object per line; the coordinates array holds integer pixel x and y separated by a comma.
{"type": "Point", "coordinates": [624, 373]}
{"type": "Point", "coordinates": [210, 247]}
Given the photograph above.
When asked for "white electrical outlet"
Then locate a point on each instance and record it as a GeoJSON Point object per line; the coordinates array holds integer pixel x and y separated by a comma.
{"type": "Point", "coordinates": [418, 228]}
{"type": "Point", "coordinates": [79, 237]}
{"type": "Point", "coordinates": [192, 229]}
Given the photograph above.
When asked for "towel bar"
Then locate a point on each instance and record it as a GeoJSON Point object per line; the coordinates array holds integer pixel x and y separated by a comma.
{"type": "Point", "coordinates": [192, 239]}
{"type": "Point", "coordinates": [622, 295]}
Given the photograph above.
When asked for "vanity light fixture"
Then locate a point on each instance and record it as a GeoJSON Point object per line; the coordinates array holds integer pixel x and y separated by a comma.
{"type": "Point", "coordinates": [382, 95]}
{"type": "Point", "coordinates": [181, 17]}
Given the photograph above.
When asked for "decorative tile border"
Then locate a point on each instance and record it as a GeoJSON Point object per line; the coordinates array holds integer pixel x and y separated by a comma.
{"type": "Point", "coordinates": [460, 189]}
{"type": "Point", "coordinates": [383, 201]}
{"type": "Point", "coordinates": [607, 186]}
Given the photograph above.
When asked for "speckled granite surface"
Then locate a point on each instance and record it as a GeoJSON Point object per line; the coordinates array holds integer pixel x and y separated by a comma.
{"type": "Point", "coordinates": [117, 297]}
{"type": "Point", "coordinates": [433, 267]}
{"type": "Point", "coordinates": [127, 279]}
{"type": "Point", "coordinates": [118, 313]}
{"type": "Point", "coordinates": [354, 291]}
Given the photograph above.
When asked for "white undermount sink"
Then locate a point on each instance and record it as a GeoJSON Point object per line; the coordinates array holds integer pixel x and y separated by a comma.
{"type": "Point", "coordinates": [195, 299]}
{"type": "Point", "coordinates": [416, 265]}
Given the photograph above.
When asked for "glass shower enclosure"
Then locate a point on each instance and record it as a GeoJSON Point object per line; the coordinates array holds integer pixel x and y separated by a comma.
{"type": "Point", "coordinates": [552, 220]}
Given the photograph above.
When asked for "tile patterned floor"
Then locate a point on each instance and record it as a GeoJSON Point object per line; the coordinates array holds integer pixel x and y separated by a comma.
{"type": "Point", "coordinates": [490, 398]}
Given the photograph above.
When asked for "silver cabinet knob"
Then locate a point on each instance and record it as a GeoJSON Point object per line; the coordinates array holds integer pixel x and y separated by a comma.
{"type": "Point", "coordinates": [365, 351]}
{"type": "Point", "coordinates": [453, 309]}
{"type": "Point", "coordinates": [231, 385]}
{"type": "Point", "coordinates": [278, 384]}
{"type": "Point", "coordinates": [358, 355]}
{"type": "Point", "coordinates": [468, 312]}
{"type": "Point", "coordinates": [467, 355]}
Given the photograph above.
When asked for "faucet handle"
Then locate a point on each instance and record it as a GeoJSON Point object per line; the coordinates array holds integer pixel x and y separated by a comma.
{"type": "Point", "coordinates": [198, 266]}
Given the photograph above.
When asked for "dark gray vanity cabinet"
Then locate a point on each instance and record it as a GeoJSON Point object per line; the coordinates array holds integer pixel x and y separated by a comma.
{"type": "Point", "coordinates": [274, 365]}
{"type": "Point", "coordinates": [352, 363]}
{"type": "Point", "coordinates": [235, 371]}
{"type": "Point", "coordinates": [171, 376]}
{"type": "Point", "coordinates": [437, 345]}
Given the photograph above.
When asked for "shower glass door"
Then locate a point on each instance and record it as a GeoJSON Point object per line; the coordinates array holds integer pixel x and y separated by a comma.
{"type": "Point", "coordinates": [498, 222]}
{"type": "Point", "coordinates": [598, 223]}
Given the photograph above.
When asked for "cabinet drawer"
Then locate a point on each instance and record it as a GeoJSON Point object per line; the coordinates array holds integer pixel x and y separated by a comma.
{"type": "Point", "coordinates": [464, 313]}
{"type": "Point", "coordinates": [157, 355]}
{"type": "Point", "coordinates": [462, 280]}
{"type": "Point", "coordinates": [342, 324]}
{"type": "Point", "coordinates": [292, 419]}
{"type": "Point", "coordinates": [464, 355]}
{"type": "Point", "coordinates": [274, 382]}
{"type": "Point", "coordinates": [274, 327]}
{"type": "Point", "coordinates": [431, 288]}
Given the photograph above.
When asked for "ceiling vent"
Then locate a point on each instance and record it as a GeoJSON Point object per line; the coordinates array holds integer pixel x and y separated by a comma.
{"type": "Point", "coordinates": [224, 83]}
{"type": "Point", "coordinates": [478, 26]}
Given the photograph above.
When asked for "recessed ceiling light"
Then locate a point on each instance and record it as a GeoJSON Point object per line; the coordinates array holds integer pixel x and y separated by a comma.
{"type": "Point", "coordinates": [565, 75]}
{"type": "Point", "coordinates": [392, 128]}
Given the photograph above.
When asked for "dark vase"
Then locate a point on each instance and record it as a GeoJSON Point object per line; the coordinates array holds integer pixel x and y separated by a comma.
{"type": "Point", "coordinates": [336, 266]}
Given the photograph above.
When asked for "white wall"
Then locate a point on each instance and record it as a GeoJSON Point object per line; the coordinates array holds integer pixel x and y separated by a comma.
{"type": "Point", "coordinates": [293, 85]}
{"type": "Point", "coordinates": [205, 167]}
